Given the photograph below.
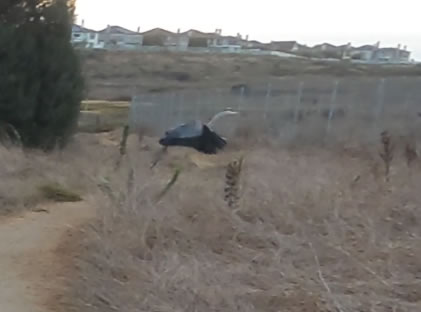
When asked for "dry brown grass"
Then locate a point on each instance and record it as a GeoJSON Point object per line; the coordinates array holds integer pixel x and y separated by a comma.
{"type": "Point", "coordinates": [29, 178]}
{"type": "Point", "coordinates": [24, 176]}
{"type": "Point", "coordinates": [315, 231]}
{"type": "Point", "coordinates": [115, 75]}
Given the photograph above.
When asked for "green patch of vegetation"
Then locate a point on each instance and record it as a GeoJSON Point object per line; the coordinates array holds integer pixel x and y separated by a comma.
{"type": "Point", "coordinates": [59, 193]}
{"type": "Point", "coordinates": [105, 106]}
{"type": "Point", "coordinates": [103, 116]}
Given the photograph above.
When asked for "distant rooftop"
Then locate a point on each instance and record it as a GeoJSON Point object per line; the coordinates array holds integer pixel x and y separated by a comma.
{"type": "Point", "coordinates": [194, 33]}
{"type": "Point", "coordinates": [117, 30]}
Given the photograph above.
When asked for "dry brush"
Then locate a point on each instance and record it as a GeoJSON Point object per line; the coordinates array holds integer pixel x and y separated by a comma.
{"type": "Point", "coordinates": [306, 236]}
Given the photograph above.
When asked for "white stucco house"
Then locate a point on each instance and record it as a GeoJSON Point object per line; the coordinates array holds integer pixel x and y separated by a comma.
{"type": "Point", "coordinates": [119, 38]}
{"type": "Point", "coordinates": [375, 54]}
{"type": "Point", "coordinates": [86, 38]}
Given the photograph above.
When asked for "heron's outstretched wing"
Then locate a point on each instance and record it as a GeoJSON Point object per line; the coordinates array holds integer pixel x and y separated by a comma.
{"type": "Point", "coordinates": [195, 135]}
{"type": "Point", "coordinates": [186, 130]}
{"type": "Point", "coordinates": [210, 141]}
{"type": "Point", "coordinates": [187, 134]}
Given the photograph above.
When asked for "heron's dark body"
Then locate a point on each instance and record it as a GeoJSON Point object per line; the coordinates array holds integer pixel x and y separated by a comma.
{"type": "Point", "coordinates": [195, 135]}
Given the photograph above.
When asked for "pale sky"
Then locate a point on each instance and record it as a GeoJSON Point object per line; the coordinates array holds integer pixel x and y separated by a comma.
{"type": "Point", "coordinates": [306, 21]}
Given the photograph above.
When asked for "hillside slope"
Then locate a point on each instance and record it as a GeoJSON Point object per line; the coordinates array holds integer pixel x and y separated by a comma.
{"type": "Point", "coordinates": [117, 75]}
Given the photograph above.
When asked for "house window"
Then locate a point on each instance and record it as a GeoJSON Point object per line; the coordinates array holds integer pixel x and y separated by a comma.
{"type": "Point", "coordinates": [76, 35]}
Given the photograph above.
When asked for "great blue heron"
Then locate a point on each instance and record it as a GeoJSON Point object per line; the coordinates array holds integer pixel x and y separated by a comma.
{"type": "Point", "coordinates": [197, 135]}
{"type": "Point", "coordinates": [194, 134]}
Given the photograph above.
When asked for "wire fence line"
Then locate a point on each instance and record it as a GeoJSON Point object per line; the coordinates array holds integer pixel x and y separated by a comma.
{"type": "Point", "coordinates": [308, 110]}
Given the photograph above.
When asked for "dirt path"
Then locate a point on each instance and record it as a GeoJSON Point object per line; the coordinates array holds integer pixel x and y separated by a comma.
{"type": "Point", "coordinates": [27, 259]}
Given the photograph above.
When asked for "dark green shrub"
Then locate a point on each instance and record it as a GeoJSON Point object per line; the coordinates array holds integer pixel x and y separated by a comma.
{"type": "Point", "coordinates": [41, 84]}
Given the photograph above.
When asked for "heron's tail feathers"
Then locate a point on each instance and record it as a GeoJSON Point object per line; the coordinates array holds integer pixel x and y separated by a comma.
{"type": "Point", "coordinates": [212, 141]}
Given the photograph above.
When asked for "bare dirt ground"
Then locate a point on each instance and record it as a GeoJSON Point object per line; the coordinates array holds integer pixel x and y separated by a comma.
{"type": "Point", "coordinates": [28, 262]}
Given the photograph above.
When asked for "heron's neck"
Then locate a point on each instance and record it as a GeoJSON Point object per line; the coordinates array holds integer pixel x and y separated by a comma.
{"type": "Point", "coordinates": [218, 116]}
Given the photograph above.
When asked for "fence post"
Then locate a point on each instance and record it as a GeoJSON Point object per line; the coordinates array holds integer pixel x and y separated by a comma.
{"type": "Point", "coordinates": [379, 106]}
{"type": "Point", "coordinates": [171, 108]}
{"type": "Point", "coordinates": [332, 106]}
{"type": "Point", "coordinates": [407, 115]}
{"type": "Point", "coordinates": [268, 94]}
{"type": "Point", "coordinates": [220, 100]}
{"type": "Point", "coordinates": [132, 118]}
{"type": "Point", "coordinates": [380, 98]}
{"type": "Point", "coordinates": [135, 112]}
{"type": "Point", "coordinates": [198, 106]}
{"type": "Point", "coordinates": [153, 114]}
{"type": "Point", "coordinates": [240, 102]}
{"type": "Point", "coordinates": [297, 107]}
{"type": "Point", "coordinates": [163, 113]}
{"type": "Point", "coordinates": [180, 107]}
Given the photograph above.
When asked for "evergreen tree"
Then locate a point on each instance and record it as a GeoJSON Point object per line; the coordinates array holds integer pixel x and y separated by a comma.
{"type": "Point", "coordinates": [41, 84]}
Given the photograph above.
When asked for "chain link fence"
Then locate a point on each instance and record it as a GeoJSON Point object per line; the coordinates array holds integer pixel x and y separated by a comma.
{"type": "Point", "coordinates": [308, 110]}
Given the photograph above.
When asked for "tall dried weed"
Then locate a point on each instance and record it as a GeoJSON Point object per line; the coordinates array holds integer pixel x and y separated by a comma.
{"type": "Point", "coordinates": [232, 182]}
{"type": "Point", "coordinates": [411, 154]}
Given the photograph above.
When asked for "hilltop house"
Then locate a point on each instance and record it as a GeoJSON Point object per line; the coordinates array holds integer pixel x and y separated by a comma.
{"type": "Point", "coordinates": [284, 46]}
{"type": "Point", "coordinates": [228, 43]}
{"type": "Point", "coordinates": [215, 40]}
{"type": "Point", "coordinates": [119, 38]}
{"type": "Point", "coordinates": [375, 54]}
{"type": "Point", "coordinates": [364, 53]}
{"type": "Point", "coordinates": [85, 38]}
{"type": "Point", "coordinates": [324, 47]}
{"type": "Point", "coordinates": [224, 41]}
{"type": "Point", "coordinates": [164, 38]}
{"type": "Point", "coordinates": [178, 41]}
{"type": "Point", "coordinates": [116, 37]}
{"type": "Point", "coordinates": [328, 50]}
{"type": "Point", "coordinates": [198, 39]}
{"type": "Point", "coordinates": [253, 44]}
{"type": "Point", "coordinates": [392, 55]}
{"type": "Point", "coordinates": [193, 33]}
